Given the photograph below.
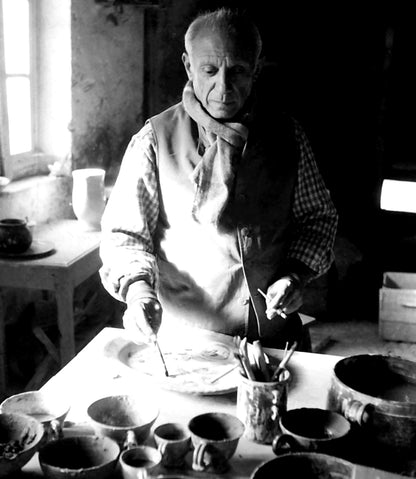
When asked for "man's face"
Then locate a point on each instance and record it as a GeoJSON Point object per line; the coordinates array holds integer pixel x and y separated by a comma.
{"type": "Point", "coordinates": [222, 74]}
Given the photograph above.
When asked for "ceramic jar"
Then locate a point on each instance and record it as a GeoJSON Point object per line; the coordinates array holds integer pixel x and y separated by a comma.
{"type": "Point", "coordinates": [260, 406]}
{"type": "Point", "coordinates": [15, 236]}
{"type": "Point", "coordinates": [88, 197]}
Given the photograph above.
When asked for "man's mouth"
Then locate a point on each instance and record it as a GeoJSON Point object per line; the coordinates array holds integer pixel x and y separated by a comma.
{"type": "Point", "coordinates": [223, 103]}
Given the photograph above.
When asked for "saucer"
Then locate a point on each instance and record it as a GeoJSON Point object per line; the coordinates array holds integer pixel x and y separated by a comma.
{"type": "Point", "coordinates": [37, 249]}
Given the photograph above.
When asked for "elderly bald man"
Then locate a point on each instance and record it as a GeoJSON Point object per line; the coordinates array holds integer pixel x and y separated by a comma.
{"type": "Point", "coordinates": [218, 197]}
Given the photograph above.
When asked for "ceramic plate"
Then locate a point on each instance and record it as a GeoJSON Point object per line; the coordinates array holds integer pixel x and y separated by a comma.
{"type": "Point", "coordinates": [192, 367]}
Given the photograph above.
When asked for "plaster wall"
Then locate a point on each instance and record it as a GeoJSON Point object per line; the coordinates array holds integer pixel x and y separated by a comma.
{"type": "Point", "coordinates": [44, 199]}
{"type": "Point", "coordinates": [165, 32]}
{"type": "Point", "coordinates": [107, 82]}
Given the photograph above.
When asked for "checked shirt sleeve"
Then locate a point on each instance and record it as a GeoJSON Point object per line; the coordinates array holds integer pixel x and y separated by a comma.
{"type": "Point", "coordinates": [130, 219]}
{"type": "Point", "coordinates": [315, 215]}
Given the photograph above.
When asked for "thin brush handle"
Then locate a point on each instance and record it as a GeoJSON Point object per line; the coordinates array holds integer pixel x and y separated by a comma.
{"type": "Point", "coordinates": [156, 343]}
{"type": "Point", "coordinates": [154, 340]}
{"type": "Point", "coordinates": [241, 364]}
{"type": "Point", "coordinates": [233, 368]}
{"type": "Point", "coordinates": [284, 361]}
{"type": "Point", "coordinates": [260, 361]}
{"type": "Point", "coordinates": [245, 360]}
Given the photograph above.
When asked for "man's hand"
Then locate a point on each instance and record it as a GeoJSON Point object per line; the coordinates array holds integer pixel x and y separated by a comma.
{"type": "Point", "coordinates": [142, 319]}
{"type": "Point", "coordinates": [285, 296]}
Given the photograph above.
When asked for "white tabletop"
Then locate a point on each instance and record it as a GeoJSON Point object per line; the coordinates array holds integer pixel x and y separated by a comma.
{"type": "Point", "coordinates": [91, 375]}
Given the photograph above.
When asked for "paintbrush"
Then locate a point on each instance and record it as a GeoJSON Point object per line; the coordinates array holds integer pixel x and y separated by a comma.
{"type": "Point", "coordinates": [233, 368]}
{"type": "Point", "coordinates": [245, 360]}
{"type": "Point", "coordinates": [278, 311]}
{"type": "Point", "coordinates": [243, 372]}
{"type": "Point", "coordinates": [153, 338]}
{"type": "Point", "coordinates": [259, 358]}
{"type": "Point", "coordinates": [284, 361]}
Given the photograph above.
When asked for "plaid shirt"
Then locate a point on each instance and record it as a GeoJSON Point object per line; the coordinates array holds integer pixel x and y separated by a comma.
{"type": "Point", "coordinates": [132, 212]}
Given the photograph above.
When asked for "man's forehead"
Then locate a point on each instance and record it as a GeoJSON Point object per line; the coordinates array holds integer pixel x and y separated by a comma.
{"type": "Point", "coordinates": [215, 44]}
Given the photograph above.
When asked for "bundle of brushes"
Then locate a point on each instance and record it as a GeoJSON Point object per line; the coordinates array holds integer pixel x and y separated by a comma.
{"type": "Point", "coordinates": [255, 364]}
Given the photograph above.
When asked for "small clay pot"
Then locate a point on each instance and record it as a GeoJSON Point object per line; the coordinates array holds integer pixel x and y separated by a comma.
{"type": "Point", "coordinates": [15, 236]}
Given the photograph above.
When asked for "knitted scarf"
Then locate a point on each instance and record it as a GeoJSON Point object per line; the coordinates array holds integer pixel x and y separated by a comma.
{"type": "Point", "coordinates": [214, 174]}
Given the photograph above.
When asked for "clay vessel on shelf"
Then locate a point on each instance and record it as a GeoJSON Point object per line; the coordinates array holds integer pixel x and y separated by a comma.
{"type": "Point", "coordinates": [15, 236]}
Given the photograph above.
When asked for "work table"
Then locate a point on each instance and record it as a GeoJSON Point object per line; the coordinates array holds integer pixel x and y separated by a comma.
{"type": "Point", "coordinates": [72, 256]}
{"type": "Point", "coordinates": [91, 375]}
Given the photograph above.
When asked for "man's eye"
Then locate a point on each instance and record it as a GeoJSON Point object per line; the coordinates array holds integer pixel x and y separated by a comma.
{"type": "Point", "coordinates": [238, 71]}
{"type": "Point", "coordinates": [209, 70]}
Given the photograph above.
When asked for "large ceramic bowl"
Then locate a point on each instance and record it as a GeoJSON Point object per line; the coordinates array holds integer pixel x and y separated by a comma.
{"type": "Point", "coordinates": [51, 410]}
{"type": "Point", "coordinates": [306, 465]}
{"type": "Point", "coordinates": [377, 393]}
{"type": "Point", "coordinates": [115, 416]}
{"type": "Point", "coordinates": [81, 457]}
{"type": "Point", "coordinates": [20, 437]}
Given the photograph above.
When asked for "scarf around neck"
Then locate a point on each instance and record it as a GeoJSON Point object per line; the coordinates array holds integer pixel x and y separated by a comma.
{"type": "Point", "coordinates": [214, 175]}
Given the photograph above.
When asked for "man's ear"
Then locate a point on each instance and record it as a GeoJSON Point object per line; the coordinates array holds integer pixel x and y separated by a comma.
{"type": "Point", "coordinates": [259, 67]}
{"type": "Point", "coordinates": [187, 64]}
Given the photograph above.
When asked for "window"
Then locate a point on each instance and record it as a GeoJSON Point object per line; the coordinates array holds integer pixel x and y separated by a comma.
{"type": "Point", "coordinates": [17, 87]}
{"type": "Point", "coordinates": [397, 195]}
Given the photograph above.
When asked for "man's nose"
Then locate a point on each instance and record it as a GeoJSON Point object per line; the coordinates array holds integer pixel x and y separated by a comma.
{"type": "Point", "coordinates": [223, 81]}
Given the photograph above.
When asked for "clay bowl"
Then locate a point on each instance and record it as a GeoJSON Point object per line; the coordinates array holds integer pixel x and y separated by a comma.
{"type": "Point", "coordinates": [20, 437]}
{"type": "Point", "coordinates": [49, 409]}
{"type": "Point", "coordinates": [305, 465]}
{"type": "Point", "coordinates": [80, 457]}
{"type": "Point", "coordinates": [115, 416]}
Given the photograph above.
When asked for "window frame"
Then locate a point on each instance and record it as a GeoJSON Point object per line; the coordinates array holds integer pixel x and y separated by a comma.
{"type": "Point", "coordinates": [31, 162]}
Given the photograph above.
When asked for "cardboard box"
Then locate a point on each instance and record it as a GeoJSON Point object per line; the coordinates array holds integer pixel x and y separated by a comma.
{"type": "Point", "coordinates": [397, 307]}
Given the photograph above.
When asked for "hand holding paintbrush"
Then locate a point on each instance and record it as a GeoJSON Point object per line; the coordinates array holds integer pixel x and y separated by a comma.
{"type": "Point", "coordinates": [284, 296]}
{"type": "Point", "coordinates": [155, 342]}
{"type": "Point", "coordinates": [142, 320]}
{"type": "Point", "coordinates": [275, 310]}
